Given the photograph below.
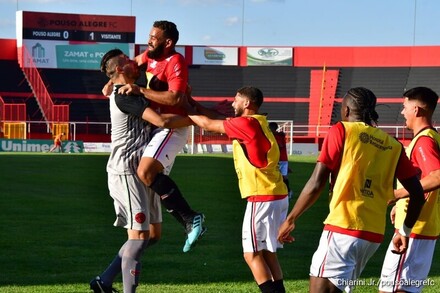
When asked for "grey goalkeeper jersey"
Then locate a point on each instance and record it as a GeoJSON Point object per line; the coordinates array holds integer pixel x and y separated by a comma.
{"type": "Point", "coordinates": [129, 133]}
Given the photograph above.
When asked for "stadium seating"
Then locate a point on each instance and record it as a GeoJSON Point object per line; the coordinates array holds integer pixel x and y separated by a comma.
{"type": "Point", "coordinates": [287, 89]}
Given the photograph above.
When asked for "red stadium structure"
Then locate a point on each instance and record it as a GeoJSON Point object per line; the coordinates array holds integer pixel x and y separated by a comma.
{"type": "Point", "coordinates": [307, 92]}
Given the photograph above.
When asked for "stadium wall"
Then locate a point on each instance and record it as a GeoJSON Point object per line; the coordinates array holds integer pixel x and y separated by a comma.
{"type": "Point", "coordinates": [388, 71]}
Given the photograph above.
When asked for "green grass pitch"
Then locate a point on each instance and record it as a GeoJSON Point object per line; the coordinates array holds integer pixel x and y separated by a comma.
{"type": "Point", "coordinates": [56, 229]}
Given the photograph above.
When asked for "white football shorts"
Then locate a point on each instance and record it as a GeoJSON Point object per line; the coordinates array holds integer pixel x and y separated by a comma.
{"type": "Point", "coordinates": [407, 272]}
{"type": "Point", "coordinates": [165, 145]}
{"type": "Point", "coordinates": [261, 223]}
{"type": "Point", "coordinates": [341, 258]}
{"type": "Point", "coordinates": [136, 206]}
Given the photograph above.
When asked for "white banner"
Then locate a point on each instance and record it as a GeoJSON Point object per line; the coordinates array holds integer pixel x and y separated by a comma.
{"type": "Point", "coordinates": [215, 56]}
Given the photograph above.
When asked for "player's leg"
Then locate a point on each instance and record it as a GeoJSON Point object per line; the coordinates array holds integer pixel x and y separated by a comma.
{"type": "Point", "coordinates": [322, 285]}
{"type": "Point", "coordinates": [272, 262]}
{"type": "Point", "coordinates": [155, 218]}
{"type": "Point", "coordinates": [138, 224]}
{"type": "Point", "coordinates": [131, 207]}
{"type": "Point", "coordinates": [254, 236]}
{"type": "Point", "coordinates": [131, 265]}
{"type": "Point", "coordinates": [154, 168]}
{"type": "Point", "coordinates": [156, 164]}
{"type": "Point", "coordinates": [339, 259]}
{"type": "Point", "coordinates": [274, 213]}
{"type": "Point", "coordinates": [407, 272]}
{"type": "Point", "coordinates": [260, 270]}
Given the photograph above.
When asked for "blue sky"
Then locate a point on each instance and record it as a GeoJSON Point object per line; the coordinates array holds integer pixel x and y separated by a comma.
{"type": "Point", "coordinates": [262, 22]}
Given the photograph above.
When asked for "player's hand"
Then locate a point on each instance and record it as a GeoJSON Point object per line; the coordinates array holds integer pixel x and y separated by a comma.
{"type": "Point", "coordinates": [224, 108]}
{"type": "Point", "coordinates": [393, 215]}
{"type": "Point", "coordinates": [188, 106]}
{"type": "Point", "coordinates": [400, 243]}
{"type": "Point", "coordinates": [398, 194]}
{"type": "Point", "coordinates": [284, 232]}
{"type": "Point", "coordinates": [129, 89]}
{"type": "Point", "coordinates": [107, 89]}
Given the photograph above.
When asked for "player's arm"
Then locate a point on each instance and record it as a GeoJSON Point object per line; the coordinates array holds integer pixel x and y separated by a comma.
{"type": "Point", "coordinates": [416, 201]}
{"type": "Point", "coordinates": [169, 98]}
{"type": "Point", "coordinates": [310, 193]}
{"type": "Point", "coordinates": [139, 106]}
{"type": "Point", "coordinates": [429, 183]}
{"type": "Point", "coordinates": [407, 175]}
{"type": "Point", "coordinates": [208, 124]}
{"type": "Point", "coordinates": [205, 122]}
{"type": "Point", "coordinates": [427, 157]}
{"type": "Point", "coordinates": [220, 111]}
{"type": "Point", "coordinates": [107, 89]}
{"type": "Point", "coordinates": [165, 120]}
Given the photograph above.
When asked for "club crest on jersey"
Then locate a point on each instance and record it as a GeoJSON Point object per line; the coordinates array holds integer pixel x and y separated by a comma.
{"type": "Point", "coordinates": [140, 218]}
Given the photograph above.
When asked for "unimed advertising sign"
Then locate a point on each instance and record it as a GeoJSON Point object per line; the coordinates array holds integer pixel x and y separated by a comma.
{"type": "Point", "coordinates": [72, 41]}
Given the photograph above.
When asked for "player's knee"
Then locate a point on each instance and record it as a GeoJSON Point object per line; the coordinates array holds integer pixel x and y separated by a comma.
{"type": "Point", "coordinates": [146, 176]}
{"type": "Point", "coordinates": [155, 234]}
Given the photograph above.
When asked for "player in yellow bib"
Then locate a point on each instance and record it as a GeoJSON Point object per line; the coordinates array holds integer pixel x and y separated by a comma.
{"type": "Point", "coordinates": [408, 272]}
{"type": "Point", "coordinates": [361, 161]}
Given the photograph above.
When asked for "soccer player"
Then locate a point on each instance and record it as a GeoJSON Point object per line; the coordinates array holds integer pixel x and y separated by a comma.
{"type": "Point", "coordinates": [408, 272]}
{"type": "Point", "coordinates": [360, 160]}
{"type": "Point", "coordinates": [57, 143]}
{"type": "Point", "coordinates": [136, 207]}
{"type": "Point", "coordinates": [256, 157]}
{"type": "Point", "coordinates": [283, 164]}
{"type": "Point", "coordinates": [167, 80]}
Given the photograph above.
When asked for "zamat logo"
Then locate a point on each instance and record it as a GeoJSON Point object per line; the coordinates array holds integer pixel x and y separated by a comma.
{"type": "Point", "coordinates": [268, 52]}
{"type": "Point", "coordinates": [38, 51]}
{"type": "Point", "coordinates": [212, 54]}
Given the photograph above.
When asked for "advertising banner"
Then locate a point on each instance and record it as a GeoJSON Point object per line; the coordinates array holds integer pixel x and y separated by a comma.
{"type": "Point", "coordinates": [215, 56]}
{"type": "Point", "coordinates": [38, 145]}
{"type": "Point", "coordinates": [269, 56]}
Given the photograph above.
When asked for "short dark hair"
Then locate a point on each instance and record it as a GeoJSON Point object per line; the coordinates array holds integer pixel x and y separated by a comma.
{"type": "Point", "coordinates": [109, 55]}
{"type": "Point", "coordinates": [254, 94]}
{"type": "Point", "coordinates": [169, 29]}
{"type": "Point", "coordinates": [273, 126]}
{"type": "Point", "coordinates": [424, 95]}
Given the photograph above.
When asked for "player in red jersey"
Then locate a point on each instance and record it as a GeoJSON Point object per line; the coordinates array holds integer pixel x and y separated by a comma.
{"type": "Point", "coordinates": [256, 156]}
{"type": "Point", "coordinates": [283, 164]}
{"type": "Point", "coordinates": [167, 82]}
{"type": "Point", "coordinates": [409, 272]}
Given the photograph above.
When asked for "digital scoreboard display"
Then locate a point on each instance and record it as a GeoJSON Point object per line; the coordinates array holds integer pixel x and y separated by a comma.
{"type": "Point", "coordinates": [76, 41]}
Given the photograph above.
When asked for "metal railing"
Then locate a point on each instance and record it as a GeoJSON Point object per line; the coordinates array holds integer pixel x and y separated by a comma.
{"type": "Point", "coordinates": [95, 131]}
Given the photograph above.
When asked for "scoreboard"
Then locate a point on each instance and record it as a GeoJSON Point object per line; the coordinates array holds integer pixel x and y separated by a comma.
{"type": "Point", "coordinates": [75, 41]}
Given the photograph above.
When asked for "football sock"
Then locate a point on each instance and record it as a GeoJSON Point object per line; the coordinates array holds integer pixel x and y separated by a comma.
{"type": "Point", "coordinates": [131, 263]}
{"type": "Point", "coordinates": [267, 287]}
{"type": "Point", "coordinates": [279, 286]}
{"type": "Point", "coordinates": [172, 198]}
{"type": "Point", "coordinates": [109, 275]}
